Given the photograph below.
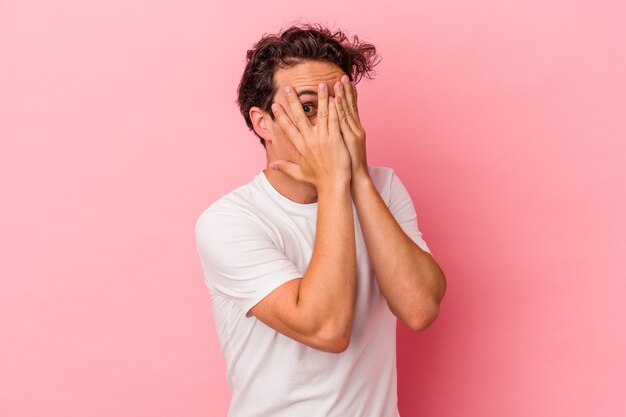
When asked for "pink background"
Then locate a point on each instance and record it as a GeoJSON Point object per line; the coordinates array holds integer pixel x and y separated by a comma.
{"type": "Point", "coordinates": [505, 119]}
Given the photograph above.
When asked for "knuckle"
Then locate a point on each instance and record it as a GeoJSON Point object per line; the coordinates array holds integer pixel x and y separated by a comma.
{"type": "Point", "coordinates": [285, 122]}
{"type": "Point", "coordinates": [291, 95]}
{"type": "Point", "coordinates": [282, 119]}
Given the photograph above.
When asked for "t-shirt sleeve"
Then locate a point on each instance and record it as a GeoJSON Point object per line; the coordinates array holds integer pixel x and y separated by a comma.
{"type": "Point", "coordinates": [401, 206]}
{"type": "Point", "coordinates": [239, 259]}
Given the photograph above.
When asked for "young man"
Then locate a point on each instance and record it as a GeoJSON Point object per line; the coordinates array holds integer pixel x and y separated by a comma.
{"type": "Point", "coordinates": [310, 263]}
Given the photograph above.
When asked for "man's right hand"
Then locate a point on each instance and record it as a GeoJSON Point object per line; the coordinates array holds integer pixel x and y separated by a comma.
{"type": "Point", "coordinates": [324, 160]}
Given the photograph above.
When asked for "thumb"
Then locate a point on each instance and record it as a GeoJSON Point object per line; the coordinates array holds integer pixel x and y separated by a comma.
{"type": "Point", "coordinates": [291, 169]}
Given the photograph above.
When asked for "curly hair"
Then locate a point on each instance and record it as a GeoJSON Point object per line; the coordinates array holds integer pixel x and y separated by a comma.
{"type": "Point", "coordinates": [297, 44]}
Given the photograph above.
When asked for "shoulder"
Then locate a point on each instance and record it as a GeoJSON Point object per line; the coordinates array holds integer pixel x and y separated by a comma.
{"type": "Point", "coordinates": [380, 173]}
{"type": "Point", "coordinates": [383, 179]}
{"type": "Point", "coordinates": [235, 210]}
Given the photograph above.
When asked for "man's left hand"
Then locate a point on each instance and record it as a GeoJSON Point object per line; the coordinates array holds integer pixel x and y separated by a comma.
{"type": "Point", "coordinates": [351, 128]}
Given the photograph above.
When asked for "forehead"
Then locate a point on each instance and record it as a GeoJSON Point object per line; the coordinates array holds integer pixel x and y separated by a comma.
{"type": "Point", "coordinates": [308, 74]}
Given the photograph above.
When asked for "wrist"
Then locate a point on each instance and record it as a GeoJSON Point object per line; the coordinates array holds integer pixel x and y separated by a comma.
{"type": "Point", "coordinates": [335, 185]}
{"type": "Point", "coordinates": [361, 179]}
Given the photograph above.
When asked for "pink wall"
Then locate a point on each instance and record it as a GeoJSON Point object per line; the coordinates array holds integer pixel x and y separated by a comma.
{"type": "Point", "coordinates": [505, 119]}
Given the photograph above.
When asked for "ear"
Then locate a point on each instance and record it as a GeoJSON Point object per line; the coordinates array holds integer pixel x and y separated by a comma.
{"type": "Point", "coordinates": [261, 122]}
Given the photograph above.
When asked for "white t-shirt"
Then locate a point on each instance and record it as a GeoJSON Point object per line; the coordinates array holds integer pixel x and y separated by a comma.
{"type": "Point", "coordinates": [253, 240]}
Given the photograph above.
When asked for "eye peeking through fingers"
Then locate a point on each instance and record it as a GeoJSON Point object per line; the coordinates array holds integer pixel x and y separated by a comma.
{"type": "Point", "coordinates": [309, 109]}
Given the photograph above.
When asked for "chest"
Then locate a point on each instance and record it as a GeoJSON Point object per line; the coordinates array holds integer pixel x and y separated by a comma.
{"type": "Point", "coordinates": [295, 235]}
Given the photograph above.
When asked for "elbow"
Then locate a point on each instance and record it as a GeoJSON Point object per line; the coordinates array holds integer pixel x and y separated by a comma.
{"type": "Point", "coordinates": [421, 319]}
{"type": "Point", "coordinates": [422, 316]}
{"type": "Point", "coordinates": [334, 339]}
{"type": "Point", "coordinates": [338, 345]}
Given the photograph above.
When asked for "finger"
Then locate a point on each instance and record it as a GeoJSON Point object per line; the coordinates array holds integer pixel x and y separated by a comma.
{"type": "Point", "coordinates": [286, 167]}
{"type": "Point", "coordinates": [350, 94]}
{"type": "Point", "coordinates": [322, 109]}
{"type": "Point", "coordinates": [297, 112]}
{"type": "Point", "coordinates": [356, 95]}
{"type": "Point", "coordinates": [346, 117]}
{"type": "Point", "coordinates": [291, 131]}
{"type": "Point", "coordinates": [333, 117]}
{"type": "Point", "coordinates": [344, 123]}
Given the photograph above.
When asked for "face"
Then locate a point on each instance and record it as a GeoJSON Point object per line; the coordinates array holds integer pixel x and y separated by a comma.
{"type": "Point", "coordinates": [304, 79]}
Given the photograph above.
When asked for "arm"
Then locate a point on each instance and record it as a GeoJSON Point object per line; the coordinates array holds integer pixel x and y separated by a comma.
{"type": "Point", "coordinates": [317, 310]}
{"type": "Point", "coordinates": [409, 278]}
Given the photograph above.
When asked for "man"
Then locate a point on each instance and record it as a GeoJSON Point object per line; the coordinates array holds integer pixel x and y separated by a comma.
{"type": "Point", "coordinates": [310, 263]}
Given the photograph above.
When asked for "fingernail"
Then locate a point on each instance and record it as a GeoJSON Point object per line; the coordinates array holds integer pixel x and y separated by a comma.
{"type": "Point", "coordinates": [274, 107]}
{"type": "Point", "coordinates": [345, 79]}
{"type": "Point", "coordinates": [274, 167]}
{"type": "Point", "coordinates": [288, 91]}
{"type": "Point", "coordinates": [322, 87]}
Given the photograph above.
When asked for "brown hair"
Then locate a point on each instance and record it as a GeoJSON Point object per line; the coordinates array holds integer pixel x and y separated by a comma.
{"type": "Point", "coordinates": [299, 43]}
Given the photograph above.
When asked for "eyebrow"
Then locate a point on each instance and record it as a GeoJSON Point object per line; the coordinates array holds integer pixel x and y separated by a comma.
{"type": "Point", "coordinates": [312, 92]}
{"type": "Point", "coordinates": [303, 92]}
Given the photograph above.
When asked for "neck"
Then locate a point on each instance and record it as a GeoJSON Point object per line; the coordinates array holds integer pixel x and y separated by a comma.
{"type": "Point", "coordinates": [297, 191]}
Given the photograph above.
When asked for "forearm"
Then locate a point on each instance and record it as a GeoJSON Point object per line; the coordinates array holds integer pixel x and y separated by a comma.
{"type": "Point", "coordinates": [327, 292]}
{"type": "Point", "coordinates": [408, 277]}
